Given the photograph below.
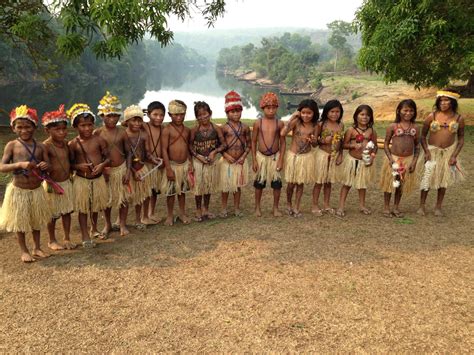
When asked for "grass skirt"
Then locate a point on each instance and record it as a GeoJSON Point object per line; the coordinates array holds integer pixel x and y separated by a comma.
{"type": "Point", "coordinates": [300, 168]}
{"type": "Point", "coordinates": [90, 195]}
{"type": "Point", "coordinates": [156, 177]}
{"type": "Point", "coordinates": [60, 204]}
{"type": "Point", "coordinates": [24, 210]}
{"type": "Point", "coordinates": [119, 193]}
{"type": "Point", "coordinates": [206, 178]}
{"type": "Point", "coordinates": [232, 176]}
{"type": "Point", "coordinates": [408, 180]}
{"type": "Point", "coordinates": [181, 184]}
{"type": "Point", "coordinates": [353, 172]}
{"type": "Point", "coordinates": [267, 168]}
{"type": "Point", "coordinates": [325, 167]}
{"type": "Point", "coordinates": [140, 190]}
{"type": "Point", "coordinates": [443, 174]}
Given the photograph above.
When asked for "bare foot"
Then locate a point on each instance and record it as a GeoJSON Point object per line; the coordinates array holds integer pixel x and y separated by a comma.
{"type": "Point", "coordinates": [155, 219]}
{"type": "Point", "coordinates": [69, 245]}
{"type": "Point", "coordinates": [258, 212]}
{"type": "Point", "coordinates": [169, 221]}
{"type": "Point", "coordinates": [223, 214]}
{"type": "Point", "coordinates": [39, 253]}
{"type": "Point", "coordinates": [438, 213]}
{"type": "Point", "coordinates": [148, 221]}
{"type": "Point", "coordinates": [340, 213]}
{"type": "Point", "coordinates": [421, 211]}
{"type": "Point", "coordinates": [277, 213]}
{"type": "Point", "coordinates": [365, 210]}
{"type": "Point", "coordinates": [317, 212]}
{"type": "Point", "coordinates": [124, 231]}
{"type": "Point", "coordinates": [387, 213]}
{"type": "Point", "coordinates": [27, 258]}
{"type": "Point", "coordinates": [55, 246]}
{"type": "Point", "coordinates": [105, 233]}
{"type": "Point", "coordinates": [184, 219]}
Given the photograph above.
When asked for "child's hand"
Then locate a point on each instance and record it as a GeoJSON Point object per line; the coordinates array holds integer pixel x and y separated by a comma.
{"type": "Point", "coordinates": [43, 166]}
{"type": "Point", "coordinates": [412, 166]}
{"type": "Point", "coordinates": [255, 166]}
{"type": "Point", "coordinates": [27, 165]}
{"type": "Point", "coordinates": [452, 161]}
{"type": "Point", "coordinates": [96, 170]}
{"type": "Point", "coordinates": [212, 157]}
{"type": "Point", "coordinates": [202, 159]}
{"type": "Point", "coordinates": [170, 174]}
{"type": "Point", "coordinates": [157, 161]}
{"type": "Point", "coordinates": [428, 156]}
{"type": "Point", "coordinates": [126, 178]}
{"type": "Point", "coordinates": [295, 115]}
{"type": "Point", "coordinates": [137, 176]}
{"type": "Point", "coordinates": [279, 166]}
{"type": "Point", "coordinates": [229, 158]}
{"type": "Point", "coordinates": [84, 167]}
{"type": "Point", "coordinates": [339, 159]}
{"type": "Point", "coordinates": [241, 161]}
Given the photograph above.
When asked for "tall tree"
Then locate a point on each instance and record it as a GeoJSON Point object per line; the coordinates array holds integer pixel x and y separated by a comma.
{"type": "Point", "coordinates": [337, 39]}
{"type": "Point", "coordinates": [425, 43]}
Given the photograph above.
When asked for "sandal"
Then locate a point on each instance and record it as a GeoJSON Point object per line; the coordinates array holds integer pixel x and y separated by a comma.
{"type": "Point", "coordinates": [88, 244]}
{"type": "Point", "coordinates": [387, 214]}
{"type": "Point", "coordinates": [99, 235]}
{"type": "Point", "coordinates": [397, 214]}
{"type": "Point", "coordinates": [238, 214]}
{"type": "Point", "coordinates": [209, 215]}
{"type": "Point", "coordinates": [317, 213]}
{"type": "Point", "coordinates": [365, 211]}
{"type": "Point", "coordinates": [140, 226]}
{"type": "Point", "coordinates": [289, 211]}
{"type": "Point", "coordinates": [198, 218]}
{"type": "Point", "coordinates": [329, 210]}
{"type": "Point", "coordinates": [340, 214]}
{"type": "Point", "coordinates": [115, 227]}
{"type": "Point", "coordinates": [297, 214]}
{"type": "Point", "coordinates": [223, 214]}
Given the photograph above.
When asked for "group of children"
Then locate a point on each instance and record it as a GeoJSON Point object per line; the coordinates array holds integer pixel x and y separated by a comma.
{"type": "Point", "coordinates": [117, 166]}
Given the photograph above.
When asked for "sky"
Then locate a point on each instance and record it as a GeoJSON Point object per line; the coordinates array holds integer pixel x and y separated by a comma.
{"type": "Point", "coordinates": [275, 13]}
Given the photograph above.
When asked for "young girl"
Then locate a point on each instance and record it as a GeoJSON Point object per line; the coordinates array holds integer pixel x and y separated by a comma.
{"type": "Point", "coordinates": [328, 154]}
{"type": "Point", "coordinates": [357, 170]}
{"type": "Point", "coordinates": [299, 164]}
{"type": "Point", "coordinates": [446, 138]}
{"type": "Point", "coordinates": [402, 149]}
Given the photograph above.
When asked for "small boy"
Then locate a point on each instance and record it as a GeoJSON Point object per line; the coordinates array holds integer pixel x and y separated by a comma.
{"type": "Point", "coordinates": [177, 160]}
{"type": "Point", "coordinates": [88, 156]}
{"type": "Point", "coordinates": [61, 204]}
{"type": "Point", "coordinates": [118, 174]}
{"type": "Point", "coordinates": [233, 166]}
{"type": "Point", "coordinates": [25, 205]}
{"type": "Point", "coordinates": [206, 141]}
{"type": "Point", "coordinates": [139, 143]}
{"type": "Point", "coordinates": [268, 152]}
{"type": "Point", "coordinates": [156, 114]}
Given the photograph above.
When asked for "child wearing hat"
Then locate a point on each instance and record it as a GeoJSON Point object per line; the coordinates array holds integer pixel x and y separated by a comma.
{"type": "Point", "coordinates": [25, 205]}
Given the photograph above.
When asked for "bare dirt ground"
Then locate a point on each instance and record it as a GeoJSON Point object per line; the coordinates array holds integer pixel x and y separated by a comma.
{"type": "Point", "coordinates": [363, 284]}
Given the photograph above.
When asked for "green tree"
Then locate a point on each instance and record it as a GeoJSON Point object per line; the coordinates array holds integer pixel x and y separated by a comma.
{"type": "Point", "coordinates": [425, 43]}
{"type": "Point", "coordinates": [337, 39]}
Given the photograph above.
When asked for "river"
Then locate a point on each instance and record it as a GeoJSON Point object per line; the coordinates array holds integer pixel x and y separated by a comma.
{"type": "Point", "coordinates": [198, 85]}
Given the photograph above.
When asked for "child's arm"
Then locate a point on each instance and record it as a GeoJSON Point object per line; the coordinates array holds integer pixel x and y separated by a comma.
{"type": "Point", "coordinates": [453, 160]}
{"type": "Point", "coordinates": [44, 164]}
{"type": "Point", "coordinates": [192, 151]}
{"type": "Point", "coordinates": [424, 133]}
{"type": "Point", "coordinates": [346, 144]}
{"type": "Point", "coordinates": [165, 138]}
{"type": "Point", "coordinates": [340, 149]}
{"type": "Point", "coordinates": [148, 150]}
{"type": "Point", "coordinates": [317, 133]}
{"type": "Point", "coordinates": [6, 166]}
{"type": "Point", "coordinates": [416, 150]}
{"type": "Point", "coordinates": [376, 148]}
{"type": "Point", "coordinates": [128, 157]}
{"type": "Point", "coordinates": [254, 146]}
{"type": "Point", "coordinates": [99, 168]}
{"type": "Point", "coordinates": [220, 147]}
{"type": "Point", "coordinates": [291, 124]}
{"type": "Point", "coordinates": [282, 147]}
{"type": "Point", "coordinates": [248, 145]}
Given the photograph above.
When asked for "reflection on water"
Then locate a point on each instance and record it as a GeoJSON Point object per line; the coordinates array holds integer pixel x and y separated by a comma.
{"type": "Point", "coordinates": [193, 84]}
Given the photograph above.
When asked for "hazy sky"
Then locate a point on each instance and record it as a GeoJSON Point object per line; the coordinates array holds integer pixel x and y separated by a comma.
{"type": "Point", "coordinates": [275, 13]}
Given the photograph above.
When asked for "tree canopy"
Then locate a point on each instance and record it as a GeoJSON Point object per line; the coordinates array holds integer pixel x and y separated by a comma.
{"type": "Point", "coordinates": [425, 43]}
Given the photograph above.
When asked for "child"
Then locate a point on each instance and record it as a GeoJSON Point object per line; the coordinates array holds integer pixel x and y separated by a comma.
{"type": "Point", "coordinates": [62, 205]}
{"type": "Point", "coordinates": [328, 154]}
{"type": "Point", "coordinates": [445, 141]}
{"type": "Point", "coordinates": [88, 155]}
{"type": "Point", "coordinates": [233, 166]}
{"type": "Point", "coordinates": [118, 174]}
{"type": "Point", "coordinates": [139, 143]}
{"type": "Point", "coordinates": [205, 142]}
{"type": "Point", "coordinates": [300, 162]}
{"type": "Point", "coordinates": [177, 160]}
{"type": "Point", "coordinates": [156, 114]}
{"type": "Point", "coordinates": [267, 162]}
{"type": "Point", "coordinates": [401, 149]}
{"type": "Point", "coordinates": [25, 205]}
{"type": "Point", "coordinates": [357, 170]}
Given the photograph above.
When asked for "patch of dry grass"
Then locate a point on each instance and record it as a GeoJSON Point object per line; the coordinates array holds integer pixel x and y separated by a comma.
{"type": "Point", "coordinates": [366, 284]}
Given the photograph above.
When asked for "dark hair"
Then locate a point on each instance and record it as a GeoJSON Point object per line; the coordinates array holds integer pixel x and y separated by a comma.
{"type": "Point", "coordinates": [454, 102]}
{"type": "Point", "coordinates": [155, 105]}
{"type": "Point", "coordinates": [313, 106]}
{"type": "Point", "coordinates": [24, 119]}
{"type": "Point", "coordinates": [369, 110]}
{"type": "Point", "coordinates": [55, 124]}
{"type": "Point", "coordinates": [85, 116]}
{"type": "Point", "coordinates": [408, 102]}
{"type": "Point", "coordinates": [328, 107]}
{"type": "Point", "coordinates": [201, 105]}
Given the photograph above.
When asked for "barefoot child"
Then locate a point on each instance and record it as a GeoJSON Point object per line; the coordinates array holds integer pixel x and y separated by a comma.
{"type": "Point", "coordinates": [118, 173]}
{"type": "Point", "coordinates": [88, 156]}
{"type": "Point", "coordinates": [139, 143]}
{"type": "Point", "coordinates": [156, 114]}
{"type": "Point", "coordinates": [328, 154]}
{"type": "Point", "coordinates": [268, 152]}
{"type": "Point", "coordinates": [233, 166]}
{"type": "Point", "coordinates": [61, 205]}
{"type": "Point", "coordinates": [446, 139]}
{"type": "Point", "coordinates": [300, 162]}
{"type": "Point", "coordinates": [357, 170]}
{"type": "Point", "coordinates": [25, 205]}
{"type": "Point", "coordinates": [177, 160]}
{"type": "Point", "coordinates": [205, 142]}
{"type": "Point", "coordinates": [401, 148]}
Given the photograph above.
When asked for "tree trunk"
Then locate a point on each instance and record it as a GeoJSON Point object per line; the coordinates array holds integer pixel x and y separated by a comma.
{"type": "Point", "coordinates": [335, 62]}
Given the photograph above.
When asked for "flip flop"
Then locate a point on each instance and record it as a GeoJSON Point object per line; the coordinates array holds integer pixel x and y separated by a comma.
{"type": "Point", "coordinates": [238, 214]}
{"type": "Point", "coordinates": [317, 213]}
{"type": "Point", "coordinates": [210, 215]}
{"type": "Point", "coordinates": [387, 214]}
{"type": "Point", "coordinates": [99, 235]}
{"type": "Point", "coordinates": [397, 214]}
{"type": "Point", "coordinates": [365, 211]}
{"type": "Point", "coordinates": [140, 226]}
{"type": "Point", "coordinates": [289, 211]}
{"type": "Point", "coordinates": [340, 214]}
{"type": "Point", "coordinates": [88, 244]}
{"type": "Point", "coordinates": [297, 214]}
{"type": "Point", "coordinates": [199, 218]}
{"type": "Point", "coordinates": [223, 214]}
{"type": "Point", "coordinates": [115, 227]}
{"type": "Point", "coordinates": [329, 211]}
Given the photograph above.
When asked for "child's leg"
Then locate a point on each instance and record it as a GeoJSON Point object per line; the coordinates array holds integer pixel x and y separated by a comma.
{"type": "Point", "coordinates": [205, 210]}
{"type": "Point", "coordinates": [37, 248]}
{"type": "Point", "coordinates": [146, 213]}
{"type": "Point", "coordinates": [276, 201]}
{"type": "Point", "coordinates": [224, 199]}
{"type": "Point", "coordinates": [423, 195]}
{"type": "Point", "coordinates": [237, 202]}
{"type": "Point", "coordinates": [66, 220]}
{"type": "Point", "coordinates": [83, 225]}
{"type": "Point", "coordinates": [123, 213]}
{"type": "Point", "coordinates": [108, 222]}
{"type": "Point", "coordinates": [396, 202]}
{"type": "Point", "coordinates": [138, 214]}
{"type": "Point", "coordinates": [53, 243]}
{"type": "Point", "coordinates": [327, 197]}
{"type": "Point", "coordinates": [316, 192]}
{"type": "Point", "coordinates": [182, 209]}
{"type": "Point", "coordinates": [342, 200]}
{"type": "Point", "coordinates": [94, 218]}
{"type": "Point", "coordinates": [152, 207]}
{"type": "Point", "coordinates": [258, 199]}
{"type": "Point", "coordinates": [439, 202]}
{"type": "Point", "coordinates": [362, 207]}
{"type": "Point", "coordinates": [169, 208]}
{"type": "Point", "coordinates": [25, 253]}
{"type": "Point", "coordinates": [199, 211]}
{"type": "Point", "coordinates": [299, 194]}
{"type": "Point", "coordinates": [289, 198]}
{"type": "Point", "coordinates": [386, 203]}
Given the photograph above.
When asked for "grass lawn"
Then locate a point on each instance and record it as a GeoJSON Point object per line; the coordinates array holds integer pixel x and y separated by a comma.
{"type": "Point", "coordinates": [312, 284]}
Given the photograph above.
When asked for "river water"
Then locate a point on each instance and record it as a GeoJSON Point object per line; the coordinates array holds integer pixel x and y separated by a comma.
{"type": "Point", "coordinates": [200, 85]}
